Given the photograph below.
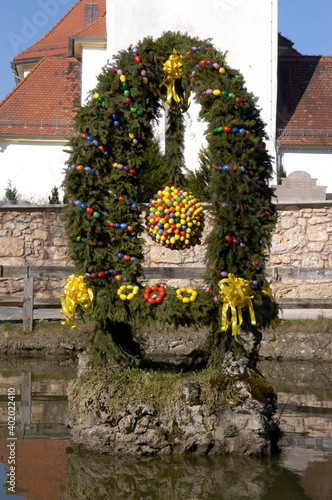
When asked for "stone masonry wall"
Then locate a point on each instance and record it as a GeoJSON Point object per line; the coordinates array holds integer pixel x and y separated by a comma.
{"type": "Point", "coordinates": [302, 239]}
{"type": "Point", "coordinates": [34, 236]}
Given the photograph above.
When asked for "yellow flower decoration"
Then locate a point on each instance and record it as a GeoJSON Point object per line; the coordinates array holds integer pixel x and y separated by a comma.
{"type": "Point", "coordinates": [185, 299]}
{"type": "Point", "coordinates": [75, 292]}
{"type": "Point", "coordinates": [133, 290]}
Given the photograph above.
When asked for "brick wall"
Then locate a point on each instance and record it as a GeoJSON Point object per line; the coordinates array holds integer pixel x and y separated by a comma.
{"type": "Point", "coordinates": [34, 235]}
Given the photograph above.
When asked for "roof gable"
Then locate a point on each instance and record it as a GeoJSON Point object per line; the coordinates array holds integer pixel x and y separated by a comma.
{"type": "Point", "coordinates": [43, 103]}
{"type": "Point", "coordinates": [55, 42]}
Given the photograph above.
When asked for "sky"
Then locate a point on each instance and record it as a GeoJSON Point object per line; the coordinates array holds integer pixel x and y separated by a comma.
{"type": "Point", "coordinates": [22, 22]}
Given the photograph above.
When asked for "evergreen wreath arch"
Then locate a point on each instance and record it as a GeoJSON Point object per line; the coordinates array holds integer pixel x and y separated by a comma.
{"type": "Point", "coordinates": [104, 222]}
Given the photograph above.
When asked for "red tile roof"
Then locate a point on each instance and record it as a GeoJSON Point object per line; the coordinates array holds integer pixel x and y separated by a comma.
{"type": "Point", "coordinates": [42, 104]}
{"type": "Point", "coordinates": [55, 42]}
{"type": "Point", "coordinates": [98, 28]}
{"type": "Point", "coordinates": [304, 100]}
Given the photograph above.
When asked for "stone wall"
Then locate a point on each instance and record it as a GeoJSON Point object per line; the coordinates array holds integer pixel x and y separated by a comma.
{"type": "Point", "coordinates": [302, 239]}
{"type": "Point", "coordinates": [34, 236]}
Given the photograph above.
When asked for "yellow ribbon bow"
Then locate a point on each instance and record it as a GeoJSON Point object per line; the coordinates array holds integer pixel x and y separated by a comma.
{"type": "Point", "coordinates": [173, 69]}
{"type": "Point", "coordinates": [75, 292]}
{"type": "Point", "coordinates": [236, 294]}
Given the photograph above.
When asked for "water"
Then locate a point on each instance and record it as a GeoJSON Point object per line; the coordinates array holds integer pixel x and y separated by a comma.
{"type": "Point", "coordinates": [48, 467]}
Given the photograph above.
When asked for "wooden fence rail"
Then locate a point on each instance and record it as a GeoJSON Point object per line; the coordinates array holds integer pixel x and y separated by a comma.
{"type": "Point", "coordinates": [29, 273]}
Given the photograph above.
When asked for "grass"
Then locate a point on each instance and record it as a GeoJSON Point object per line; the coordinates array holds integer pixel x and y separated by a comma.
{"type": "Point", "coordinates": [42, 327]}
{"type": "Point", "coordinates": [9, 326]}
{"type": "Point", "coordinates": [111, 390]}
{"type": "Point", "coordinates": [319, 325]}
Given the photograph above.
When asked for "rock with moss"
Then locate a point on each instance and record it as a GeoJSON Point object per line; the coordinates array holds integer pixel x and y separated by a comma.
{"type": "Point", "coordinates": [146, 412]}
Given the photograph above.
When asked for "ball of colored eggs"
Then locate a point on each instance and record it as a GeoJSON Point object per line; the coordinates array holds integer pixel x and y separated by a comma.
{"type": "Point", "coordinates": [175, 218]}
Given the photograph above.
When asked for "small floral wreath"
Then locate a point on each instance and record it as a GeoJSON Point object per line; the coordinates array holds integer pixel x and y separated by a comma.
{"type": "Point", "coordinates": [186, 299]}
{"type": "Point", "coordinates": [133, 290]}
{"type": "Point", "coordinates": [155, 299]}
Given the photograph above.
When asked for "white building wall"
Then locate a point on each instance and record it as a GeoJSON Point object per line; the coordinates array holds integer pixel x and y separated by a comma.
{"type": "Point", "coordinates": [246, 29]}
{"type": "Point", "coordinates": [92, 62]}
{"type": "Point", "coordinates": [316, 163]}
{"type": "Point", "coordinates": [34, 168]}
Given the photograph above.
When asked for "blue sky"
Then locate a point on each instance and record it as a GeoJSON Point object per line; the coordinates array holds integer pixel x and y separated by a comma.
{"type": "Point", "coordinates": [22, 22]}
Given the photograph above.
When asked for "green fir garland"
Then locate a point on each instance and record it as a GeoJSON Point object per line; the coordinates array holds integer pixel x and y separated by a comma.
{"type": "Point", "coordinates": [114, 143]}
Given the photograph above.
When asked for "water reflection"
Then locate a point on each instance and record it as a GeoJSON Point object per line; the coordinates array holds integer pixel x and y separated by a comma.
{"type": "Point", "coordinates": [40, 386]}
{"type": "Point", "coordinates": [179, 478]}
{"type": "Point", "coordinates": [317, 480]}
{"type": "Point", "coordinates": [49, 467]}
{"type": "Point", "coordinates": [41, 471]}
{"type": "Point", "coordinates": [304, 402]}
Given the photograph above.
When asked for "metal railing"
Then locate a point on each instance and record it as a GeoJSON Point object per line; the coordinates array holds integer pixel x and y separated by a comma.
{"type": "Point", "coordinates": [38, 123]}
{"type": "Point", "coordinates": [46, 46]}
{"type": "Point", "coordinates": [303, 132]}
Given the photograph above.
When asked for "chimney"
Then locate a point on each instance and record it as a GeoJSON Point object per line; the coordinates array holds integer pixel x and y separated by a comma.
{"type": "Point", "coordinates": [91, 13]}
